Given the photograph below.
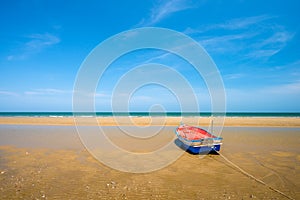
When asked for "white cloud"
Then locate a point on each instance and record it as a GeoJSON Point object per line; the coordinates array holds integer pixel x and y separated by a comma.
{"type": "Point", "coordinates": [281, 97]}
{"type": "Point", "coordinates": [40, 92]}
{"type": "Point", "coordinates": [241, 23]}
{"type": "Point", "coordinates": [254, 37]}
{"type": "Point", "coordinates": [273, 44]}
{"type": "Point", "coordinates": [288, 88]}
{"type": "Point", "coordinates": [280, 37]}
{"type": "Point", "coordinates": [157, 58]}
{"type": "Point", "coordinates": [35, 44]}
{"type": "Point", "coordinates": [47, 91]}
{"type": "Point", "coordinates": [142, 99]}
{"type": "Point", "coordinates": [10, 57]}
{"type": "Point", "coordinates": [163, 9]}
{"type": "Point", "coordinates": [41, 41]}
{"type": "Point", "coordinates": [232, 24]}
{"type": "Point", "coordinates": [285, 90]}
{"type": "Point", "coordinates": [233, 76]}
{"type": "Point", "coordinates": [262, 53]}
{"type": "Point", "coordinates": [225, 43]}
{"type": "Point", "coordinates": [7, 93]}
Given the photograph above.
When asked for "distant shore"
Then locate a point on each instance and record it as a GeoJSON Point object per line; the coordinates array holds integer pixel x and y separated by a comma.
{"type": "Point", "coordinates": [155, 121]}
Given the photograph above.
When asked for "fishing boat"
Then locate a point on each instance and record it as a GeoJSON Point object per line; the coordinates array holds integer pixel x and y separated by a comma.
{"type": "Point", "coordinates": [197, 140]}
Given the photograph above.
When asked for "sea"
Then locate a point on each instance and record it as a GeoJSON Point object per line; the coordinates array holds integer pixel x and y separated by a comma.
{"type": "Point", "coordinates": [147, 114]}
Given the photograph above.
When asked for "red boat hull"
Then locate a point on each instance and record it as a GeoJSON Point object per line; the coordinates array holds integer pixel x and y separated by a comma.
{"type": "Point", "coordinates": [197, 140]}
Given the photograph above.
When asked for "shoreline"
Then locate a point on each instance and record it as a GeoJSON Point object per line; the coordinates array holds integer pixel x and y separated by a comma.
{"type": "Point", "coordinates": [155, 121]}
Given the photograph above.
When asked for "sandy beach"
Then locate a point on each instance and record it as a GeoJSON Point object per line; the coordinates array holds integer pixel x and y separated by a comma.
{"type": "Point", "coordinates": [43, 158]}
{"type": "Point", "coordinates": [167, 121]}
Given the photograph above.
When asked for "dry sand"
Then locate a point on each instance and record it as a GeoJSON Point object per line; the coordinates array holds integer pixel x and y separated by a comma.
{"type": "Point", "coordinates": [168, 121]}
{"type": "Point", "coordinates": [49, 162]}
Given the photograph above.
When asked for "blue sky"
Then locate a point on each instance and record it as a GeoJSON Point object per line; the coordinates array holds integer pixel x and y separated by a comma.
{"type": "Point", "coordinates": [255, 45]}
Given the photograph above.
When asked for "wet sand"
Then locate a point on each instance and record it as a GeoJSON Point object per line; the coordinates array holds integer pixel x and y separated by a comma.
{"type": "Point", "coordinates": [50, 162]}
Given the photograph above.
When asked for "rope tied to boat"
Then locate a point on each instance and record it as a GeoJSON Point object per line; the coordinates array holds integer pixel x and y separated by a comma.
{"type": "Point", "coordinates": [253, 177]}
